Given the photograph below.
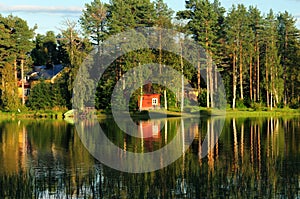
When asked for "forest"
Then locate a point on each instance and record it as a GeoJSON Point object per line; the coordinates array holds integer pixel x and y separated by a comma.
{"type": "Point", "coordinates": [257, 54]}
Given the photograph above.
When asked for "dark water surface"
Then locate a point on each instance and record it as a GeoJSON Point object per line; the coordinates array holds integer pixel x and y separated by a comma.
{"type": "Point", "coordinates": [253, 158]}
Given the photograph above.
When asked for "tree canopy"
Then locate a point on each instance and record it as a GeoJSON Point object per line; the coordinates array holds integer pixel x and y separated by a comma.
{"type": "Point", "coordinates": [257, 54]}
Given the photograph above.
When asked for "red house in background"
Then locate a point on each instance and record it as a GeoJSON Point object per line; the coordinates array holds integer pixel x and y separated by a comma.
{"type": "Point", "coordinates": [149, 101]}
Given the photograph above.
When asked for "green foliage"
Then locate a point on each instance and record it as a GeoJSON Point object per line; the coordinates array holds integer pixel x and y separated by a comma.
{"type": "Point", "coordinates": [46, 96]}
{"type": "Point", "coordinates": [93, 21]}
{"type": "Point", "coordinates": [130, 14]}
{"type": "Point", "coordinates": [46, 49]}
{"type": "Point", "coordinates": [40, 96]}
{"type": "Point", "coordinates": [9, 95]}
{"type": "Point", "coordinates": [15, 44]}
{"type": "Point", "coordinates": [202, 22]}
{"type": "Point", "coordinates": [202, 98]}
{"type": "Point", "coordinates": [240, 104]}
{"type": "Point", "coordinates": [257, 54]}
{"type": "Point", "coordinates": [295, 103]}
{"type": "Point", "coordinates": [257, 106]}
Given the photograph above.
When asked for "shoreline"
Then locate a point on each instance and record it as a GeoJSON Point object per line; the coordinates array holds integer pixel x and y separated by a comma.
{"type": "Point", "coordinates": [144, 115]}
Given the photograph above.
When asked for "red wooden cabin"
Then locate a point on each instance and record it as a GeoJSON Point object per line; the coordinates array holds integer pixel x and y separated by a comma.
{"type": "Point", "coordinates": [149, 101]}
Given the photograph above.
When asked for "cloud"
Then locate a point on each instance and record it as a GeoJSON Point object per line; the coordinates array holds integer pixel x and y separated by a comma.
{"type": "Point", "coordinates": [41, 9]}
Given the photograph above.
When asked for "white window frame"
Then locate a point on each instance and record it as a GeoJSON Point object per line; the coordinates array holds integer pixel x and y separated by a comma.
{"type": "Point", "coordinates": [154, 101]}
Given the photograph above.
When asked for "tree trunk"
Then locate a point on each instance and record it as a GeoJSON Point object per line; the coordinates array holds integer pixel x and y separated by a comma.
{"type": "Point", "coordinates": [198, 78]}
{"type": "Point", "coordinates": [251, 87]}
{"type": "Point", "coordinates": [211, 83]}
{"type": "Point", "coordinates": [241, 71]}
{"type": "Point", "coordinates": [276, 96]}
{"type": "Point", "coordinates": [207, 69]}
{"type": "Point", "coordinates": [16, 72]}
{"type": "Point", "coordinates": [272, 86]}
{"type": "Point", "coordinates": [160, 67]}
{"type": "Point", "coordinates": [160, 52]}
{"type": "Point", "coordinates": [254, 77]}
{"type": "Point", "coordinates": [258, 80]}
{"type": "Point", "coordinates": [271, 100]}
{"type": "Point", "coordinates": [22, 80]}
{"type": "Point", "coordinates": [182, 78]}
{"type": "Point", "coordinates": [234, 80]}
{"type": "Point", "coordinates": [165, 97]}
{"type": "Point", "coordinates": [207, 87]}
{"type": "Point", "coordinates": [141, 98]}
{"type": "Point", "coordinates": [215, 78]}
{"type": "Point", "coordinates": [267, 78]}
{"type": "Point", "coordinates": [284, 69]}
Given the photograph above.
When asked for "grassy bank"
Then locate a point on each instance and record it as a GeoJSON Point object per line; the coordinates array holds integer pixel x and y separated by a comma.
{"type": "Point", "coordinates": [262, 113]}
{"type": "Point", "coordinates": [49, 114]}
{"type": "Point", "coordinates": [144, 115]}
{"type": "Point", "coordinates": [203, 112]}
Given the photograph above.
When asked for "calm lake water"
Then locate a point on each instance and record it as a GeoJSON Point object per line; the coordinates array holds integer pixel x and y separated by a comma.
{"type": "Point", "coordinates": [253, 158]}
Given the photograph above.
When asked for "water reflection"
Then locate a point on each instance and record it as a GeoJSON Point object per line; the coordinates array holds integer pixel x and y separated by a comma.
{"type": "Point", "coordinates": [253, 157]}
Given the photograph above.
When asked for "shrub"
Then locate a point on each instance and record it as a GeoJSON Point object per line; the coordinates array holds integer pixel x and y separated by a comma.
{"type": "Point", "coordinates": [257, 106]}
{"type": "Point", "coordinates": [295, 104]}
{"type": "Point", "coordinates": [240, 104]}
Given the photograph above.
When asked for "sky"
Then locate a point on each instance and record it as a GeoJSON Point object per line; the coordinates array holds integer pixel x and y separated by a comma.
{"type": "Point", "coordinates": [49, 15]}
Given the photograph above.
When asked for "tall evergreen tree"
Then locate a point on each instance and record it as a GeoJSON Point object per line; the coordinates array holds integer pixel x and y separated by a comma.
{"type": "Point", "coordinates": [233, 33]}
{"type": "Point", "coordinates": [15, 49]}
{"type": "Point", "coordinates": [202, 23]}
{"type": "Point", "coordinates": [130, 14]}
{"type": "Point", "coordinates": [77, 49]}
{"type": "Point", "coordinates": [163, 20]}
{"type": "Point", "coordinates": [256, 24]}
{"type": "Point", "coordinates": [93, 21]}
{"type": "Point", "coordinates": [288, 39]}
{"type": "Point", "coordinates": [273, 69]}
{"type": "Point", "coordinates": [46, 49]}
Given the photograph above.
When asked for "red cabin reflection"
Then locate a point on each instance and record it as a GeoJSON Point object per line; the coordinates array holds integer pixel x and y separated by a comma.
{"type": "Point", "coordinates": [150, 130]}
{"type": "Point", "coordinates": [151, 134]}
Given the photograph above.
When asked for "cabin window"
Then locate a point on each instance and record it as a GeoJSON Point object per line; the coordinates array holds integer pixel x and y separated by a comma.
{"type": "Point", "coordinates": [154, 101]}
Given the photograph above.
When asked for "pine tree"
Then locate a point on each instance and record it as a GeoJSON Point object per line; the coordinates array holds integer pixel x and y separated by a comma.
{"type": "Point", "coordinates": [46, 50]}
{"type": "Point", "coordinates": [93, 21]}
{"type": "Point", "coordinates": [203, 25]}
{"type": "Point", "coordinates": [15, 49]}
{"type": "Point", "coordinates": [233, 33]}
{"type": "Point", "coordinates": [22, 37]}
{"type": "Point", "coordinates": [163, 21]}
{"type": "Point", "coordinates": [129, 15]}
{"type": "Point", "coordinates": [273, 68]}
{"type": "Point", "coordinates": [288, 39]}
{"type": "Point", "coordinates": [77, 49]}
{"type": "Point", "coordinates": [256, 24]}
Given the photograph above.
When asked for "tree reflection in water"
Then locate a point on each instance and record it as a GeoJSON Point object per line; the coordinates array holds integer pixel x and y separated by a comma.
{"type": "Point", "coordinates": [254, 157]}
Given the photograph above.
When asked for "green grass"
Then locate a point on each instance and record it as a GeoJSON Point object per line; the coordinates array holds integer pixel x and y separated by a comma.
{"type": "Point", "coordinates": [173, 112]}
{"type": "Point", "coordinates": [266, 112]}
{"type": "Point", "coordinates": [32, 114]}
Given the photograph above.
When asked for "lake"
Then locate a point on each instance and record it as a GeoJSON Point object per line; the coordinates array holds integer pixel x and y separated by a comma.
{"type": "Point", "coordinates": [251, 158]}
